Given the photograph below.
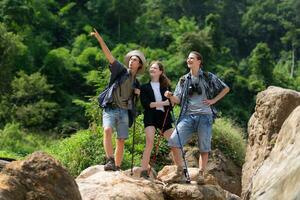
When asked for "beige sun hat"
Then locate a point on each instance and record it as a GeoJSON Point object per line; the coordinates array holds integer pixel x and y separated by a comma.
{"type": "Point", "coordinates": [138, 54]}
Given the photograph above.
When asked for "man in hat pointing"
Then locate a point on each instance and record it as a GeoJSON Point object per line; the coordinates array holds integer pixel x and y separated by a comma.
{"type": "Point", "coordinates": [117, 100]}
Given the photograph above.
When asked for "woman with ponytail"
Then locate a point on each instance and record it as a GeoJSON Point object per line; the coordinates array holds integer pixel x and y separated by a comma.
{"type": "Point", "coordinates": [156, 110]}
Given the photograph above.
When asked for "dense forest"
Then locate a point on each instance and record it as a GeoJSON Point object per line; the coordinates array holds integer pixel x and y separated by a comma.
{"type": "Point", "coordinates": [51, 69]}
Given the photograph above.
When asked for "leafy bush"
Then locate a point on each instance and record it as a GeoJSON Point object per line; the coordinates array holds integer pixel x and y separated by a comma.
{"type": "Point", "coordinates": [229, 139]}
{"type": "Point", "coordinates": [85, 149]}
{"type": "Point", "coordinates": [16, 143]}
{"type": "Point", "coordinates": [14, 140]}
{"type": "Point", "coordinates": [7, 154]}
{"type": "Point", "coordinates": [79, 151]}
{"type": "Point", "coordinates": [29, 103]}
{"type": "Point", "coordinates": [139, 144]}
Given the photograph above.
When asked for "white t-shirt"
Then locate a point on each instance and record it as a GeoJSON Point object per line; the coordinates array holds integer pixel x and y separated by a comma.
{"type": "Point", "coordinates": [156, 89]}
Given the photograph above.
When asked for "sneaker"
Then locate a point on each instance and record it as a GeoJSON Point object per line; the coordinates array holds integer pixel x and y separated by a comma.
{"type": "Point", "coordinates": [144, 174]}
{"type": "Point", "coordinates": [200, 178]}
{"type": "Point", "coordinates": [110, 164]}
{"type": "Point", "coordinates": [201, 172]}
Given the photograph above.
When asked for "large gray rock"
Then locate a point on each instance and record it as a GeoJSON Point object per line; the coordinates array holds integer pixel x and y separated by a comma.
{"type": "Point", "coordinates": [38, 177]}
{"type": "Point", "coordinates": [194, 192]}
{"type": "Point", "coordinates": [227, 174]}
{"type": "Point", "coordinates": [279, 176]}
{"type": "Point", "coordinates": [3, 163]}
{"type": "Point", "coordinates": [273, 106]}
{"type": "Point", "coordinates": [96, 184]}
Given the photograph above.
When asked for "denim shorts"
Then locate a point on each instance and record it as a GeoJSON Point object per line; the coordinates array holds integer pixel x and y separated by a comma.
{"type": "Point", "coordinates": [117, 118]}
{"type": "Point", "coordinates": [190, 124]}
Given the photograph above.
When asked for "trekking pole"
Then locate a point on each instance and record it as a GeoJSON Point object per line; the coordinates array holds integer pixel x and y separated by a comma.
{"type": "Point", "coordinates": [185, 170]}
{"type": "Point", "coordinates": [133, 135]}
{"type": "Point", "coordinates": [183, 100]}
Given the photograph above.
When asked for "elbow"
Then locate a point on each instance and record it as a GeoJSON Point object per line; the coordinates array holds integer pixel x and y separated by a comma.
{"type": "Point", "coordinates": [227, 89]}
{"type": "Point", "coordinates": [111, 60]}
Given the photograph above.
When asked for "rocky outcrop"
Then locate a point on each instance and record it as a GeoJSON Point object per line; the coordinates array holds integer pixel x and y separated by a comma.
{"type": "Point", "coordinates": [38, 177]}
{"type": "Point", "coordinates": [95, 183]}
{"type": "Point", "coordinates": [282, 167]}
{"type": "Point", "coordinates": [4, 162]}
{"type": "Point", "coordinates": [227, 174]}
{"type": "Point", "coordinates": [194, 192]}
{"type": "Point", "coordinates": [273, 106]}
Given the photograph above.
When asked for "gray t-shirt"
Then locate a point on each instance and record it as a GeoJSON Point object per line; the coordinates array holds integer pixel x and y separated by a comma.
{"type": "Point", "coordinates": [195, 103]}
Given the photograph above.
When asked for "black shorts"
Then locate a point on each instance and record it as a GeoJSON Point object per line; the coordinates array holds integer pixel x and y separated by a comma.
{"type": "Point", "coordinates": [156, 118]}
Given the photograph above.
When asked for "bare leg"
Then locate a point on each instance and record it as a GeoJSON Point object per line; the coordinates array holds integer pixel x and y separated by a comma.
{"type": "Point", "coordinates": [168, 133]}
{"type": "Point", "coordinates": [203, 159]}
{"type": "Point", "coordinates": [107, 142]}
{"type": "Point", "coordinates": [150, 132]}
{"type": "Point", "coordinates": [119, 151]}
{"type": "Point", "coordinates": [177, 156]}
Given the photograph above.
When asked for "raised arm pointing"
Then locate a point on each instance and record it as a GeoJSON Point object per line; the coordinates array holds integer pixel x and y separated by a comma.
{"type": "Point", "coordinates": [104, 47]}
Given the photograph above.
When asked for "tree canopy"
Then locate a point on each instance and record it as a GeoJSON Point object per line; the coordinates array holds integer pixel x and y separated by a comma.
{"type": "Point", "coordinates": [49, 63]}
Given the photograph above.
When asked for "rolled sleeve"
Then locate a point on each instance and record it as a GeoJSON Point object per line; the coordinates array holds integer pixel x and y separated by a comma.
{"type": "Point", "coordinates": [178, 90]}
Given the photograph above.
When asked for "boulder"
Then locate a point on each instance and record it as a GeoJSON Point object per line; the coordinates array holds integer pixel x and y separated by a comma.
{"type": "Point", "coordinates": [39, 176]}
{"type": "Point", "coordinates": [279, 175]}
{"type": "Point", "coordinates": [227, 174]}
{"type": "Point", "coordinates": [194, 192]}
{"type": "Point", "coordinates": [136, 172]}
{"type": "Point", "coordinates": [3, 163]}
{"type": "Point", "coordinates": [96, 184]}
{"type": "Point", "coordinates": [273, 106]}
{"type": "Point", "coordinates": [170, 174]}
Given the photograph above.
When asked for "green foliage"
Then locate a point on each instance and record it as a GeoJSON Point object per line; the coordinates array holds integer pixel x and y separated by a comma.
{"type": "Point", "coordinates": [27, 104]}
{"type": "Point", "coordinates": [139, 144]}
{"type": "Point", "coordinates": [13, 140]}
{"type": "Point", "coordinates": [12, 50]}
{"type": "Point", "coordinates": [229, 139]}
{"type": "Point", "coordinates": [80, 151]}
{"type": "Point", "coordinates": [249, 44]}
{"type": "Point", "coordinates": [91, 108]}
{"type": "Point", "coordinates": [16, 143]}
{"type": "Point", "coordinates": [80, 43]}
{"type": "Point", "coordinates": [261, 64]}
{"type": "Point", "coordinates": [177, 30]}
{"type": "Point", "coordinates": [29, 88]}
{"type": "Point", "coordinates": [40, 114]}
{"type": "Point", "coordinates": [68, 81]}
{"type": "Point", "coordinates": [7, 154]}
{"type": "Point", "coordinates": [58, 65]}
{"type": "Point", "coordinates": [198, 40]}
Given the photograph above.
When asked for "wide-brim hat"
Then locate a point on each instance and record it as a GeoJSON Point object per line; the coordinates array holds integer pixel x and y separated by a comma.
{"type": "Point", "coordinates": [138, 54]}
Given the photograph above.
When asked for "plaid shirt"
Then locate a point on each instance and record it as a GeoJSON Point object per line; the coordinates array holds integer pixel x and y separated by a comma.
{"type": "Point", "coordinates": [212, 84]}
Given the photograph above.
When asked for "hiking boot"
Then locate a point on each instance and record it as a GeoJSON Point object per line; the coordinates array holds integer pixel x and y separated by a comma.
{"type": "Point", "coordinates": [110, 164]}
{"type": "Point", "coordinates": [200, 178]}
{"type": "Point", "coordinates": [201, 172]}
{"type": "Point", "coordinates": [144, 174]}
{"type": "Point", "coordinates": [117, 168]}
